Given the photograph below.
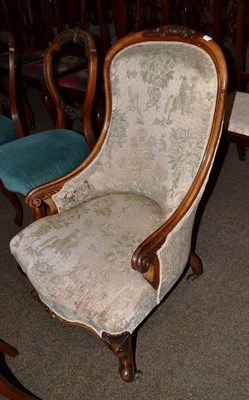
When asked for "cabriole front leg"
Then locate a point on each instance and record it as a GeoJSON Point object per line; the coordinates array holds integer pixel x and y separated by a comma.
{"type": "Point", "coordinates": [121, 345]}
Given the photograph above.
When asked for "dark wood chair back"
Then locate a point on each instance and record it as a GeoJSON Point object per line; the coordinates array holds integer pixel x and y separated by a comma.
{"type": "Point", "coordinates": [83, 111]}
{"type": "Point", "coordinates": [8, 96]}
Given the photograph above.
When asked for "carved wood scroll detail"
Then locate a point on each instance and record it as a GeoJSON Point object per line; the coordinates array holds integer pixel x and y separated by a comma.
{"type": "Point", "coordinates": [120, 344]}
{"type": "Point", "coordinates": [38, 198]}
{"type": "Point", "coordinates": [172, 30]}
{"type": "Point", "coordinates": [148, 264]}
{"type": "Point", "coordinates": [77, 35]}
{"type": "Point", "coordinates": [116, 342]}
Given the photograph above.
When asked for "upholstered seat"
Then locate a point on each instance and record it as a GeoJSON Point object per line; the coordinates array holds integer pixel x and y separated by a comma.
{"type": "Point", "coordinates": [49, 154]}
{"type": "Point", "coordinates": [120, 234]}
{"type": "Point", "coordinates": [89, 241]}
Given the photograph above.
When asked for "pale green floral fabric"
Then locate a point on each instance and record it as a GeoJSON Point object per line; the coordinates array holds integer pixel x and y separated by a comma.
{"type": "Point", "coordinates": [174, 253]}
{"type": "Point", "coordinates": [163, 100]}
{"type": "Point", "coordinates": [79, 261]}
{"type": "Point", "coordinates": [237, 115]}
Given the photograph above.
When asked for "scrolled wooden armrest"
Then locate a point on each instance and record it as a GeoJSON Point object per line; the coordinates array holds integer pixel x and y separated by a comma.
{"type": "Point", "coordinates": [145, 259]}
{"type": "Point", "coordinates": [41, 197]}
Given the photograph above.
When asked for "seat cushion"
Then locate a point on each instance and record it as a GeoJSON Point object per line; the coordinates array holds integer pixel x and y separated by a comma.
{"type": "Point", "coordinates": [36, 159]}
{"type": "Point", "coordinates": [7, 130]}
{"type": "Point", "coordinates": [79, 261]}
{"type": "Point", "coordinates": [236, 114]}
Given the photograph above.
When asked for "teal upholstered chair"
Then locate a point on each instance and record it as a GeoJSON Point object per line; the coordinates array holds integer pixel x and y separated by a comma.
{"type": "Point", "coordinates": [43, 157]}
{"type": "Point", "coordinates": [120, 236]}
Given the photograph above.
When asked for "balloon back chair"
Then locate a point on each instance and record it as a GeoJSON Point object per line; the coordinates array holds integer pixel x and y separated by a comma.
{"type": "Point", "coordinates": [45, 156]}
{"type": "Point", "coordinates": [120, 237]}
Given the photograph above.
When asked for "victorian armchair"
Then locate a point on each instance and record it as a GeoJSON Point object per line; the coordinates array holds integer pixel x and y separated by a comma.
{"type": "Point", "coordinates": [120, 236]}
{"type": "Point", "coordinates": [42, 157]}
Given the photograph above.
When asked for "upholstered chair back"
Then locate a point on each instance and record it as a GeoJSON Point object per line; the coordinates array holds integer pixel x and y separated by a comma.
{"type": "Point", "coordinates": [162, 107]}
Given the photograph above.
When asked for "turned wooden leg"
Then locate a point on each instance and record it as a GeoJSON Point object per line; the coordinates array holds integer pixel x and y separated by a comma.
{"type": "Point", "coordinates": [8, 349]}
{"type": "Point", "coordinates": [196, 264]}
{"type": "Point", "coordinates": [15, 202]}
{"type": "Point", "coordinates": [121, 345]}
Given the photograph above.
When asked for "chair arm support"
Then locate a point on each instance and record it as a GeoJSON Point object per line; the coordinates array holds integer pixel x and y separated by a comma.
{"type": "Point", "coordinates": [41, 197]}
{"type": "Point", "coordinates": [145, 259]}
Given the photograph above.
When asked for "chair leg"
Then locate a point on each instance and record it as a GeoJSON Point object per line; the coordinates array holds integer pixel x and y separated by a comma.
{"type": "Point", "coordinates": [195, 263]}
{"type": "Point", "coordinates": [6, 348]}
{"type": "Point", "coordinates": [241, 151]}
{"type": "Point", "coordinates": [10, 387]}
{"type": "Point", "coordinates": [121, 345]}
{"type": "Point", "coordinates": [15, 202]}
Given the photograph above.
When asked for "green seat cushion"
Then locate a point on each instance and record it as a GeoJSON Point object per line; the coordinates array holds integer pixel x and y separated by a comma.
{"type": "Point", "coordinates": [34, 160]}
{"type": "Point", "coordinates": [7, 130]}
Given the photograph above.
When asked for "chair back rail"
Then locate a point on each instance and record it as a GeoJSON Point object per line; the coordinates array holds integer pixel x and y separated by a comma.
{"type": "Point", "coordinates": [85, 41]}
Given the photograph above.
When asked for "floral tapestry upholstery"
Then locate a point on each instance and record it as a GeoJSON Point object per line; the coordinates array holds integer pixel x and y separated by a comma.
{"type": "Point", "coordinates": [236, 114]}
{"type": "Point", "coordinates": [163, 101]}
{"type": "Point", "coordinates": [80, 264]}
{"type": "Point", "coordinates": [164, 115]}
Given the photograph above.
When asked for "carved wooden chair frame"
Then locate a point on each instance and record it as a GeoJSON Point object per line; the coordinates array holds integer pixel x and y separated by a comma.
{"type": "Point", "coordinates": [145, 259]}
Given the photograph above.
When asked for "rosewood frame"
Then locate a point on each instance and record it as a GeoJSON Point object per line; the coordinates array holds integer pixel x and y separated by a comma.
{"type": "Point", "coordinates": [145, 259]}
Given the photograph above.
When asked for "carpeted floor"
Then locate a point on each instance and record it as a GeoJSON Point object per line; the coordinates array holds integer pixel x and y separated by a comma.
{"type": "Point", "coordinates": [195, 346]}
